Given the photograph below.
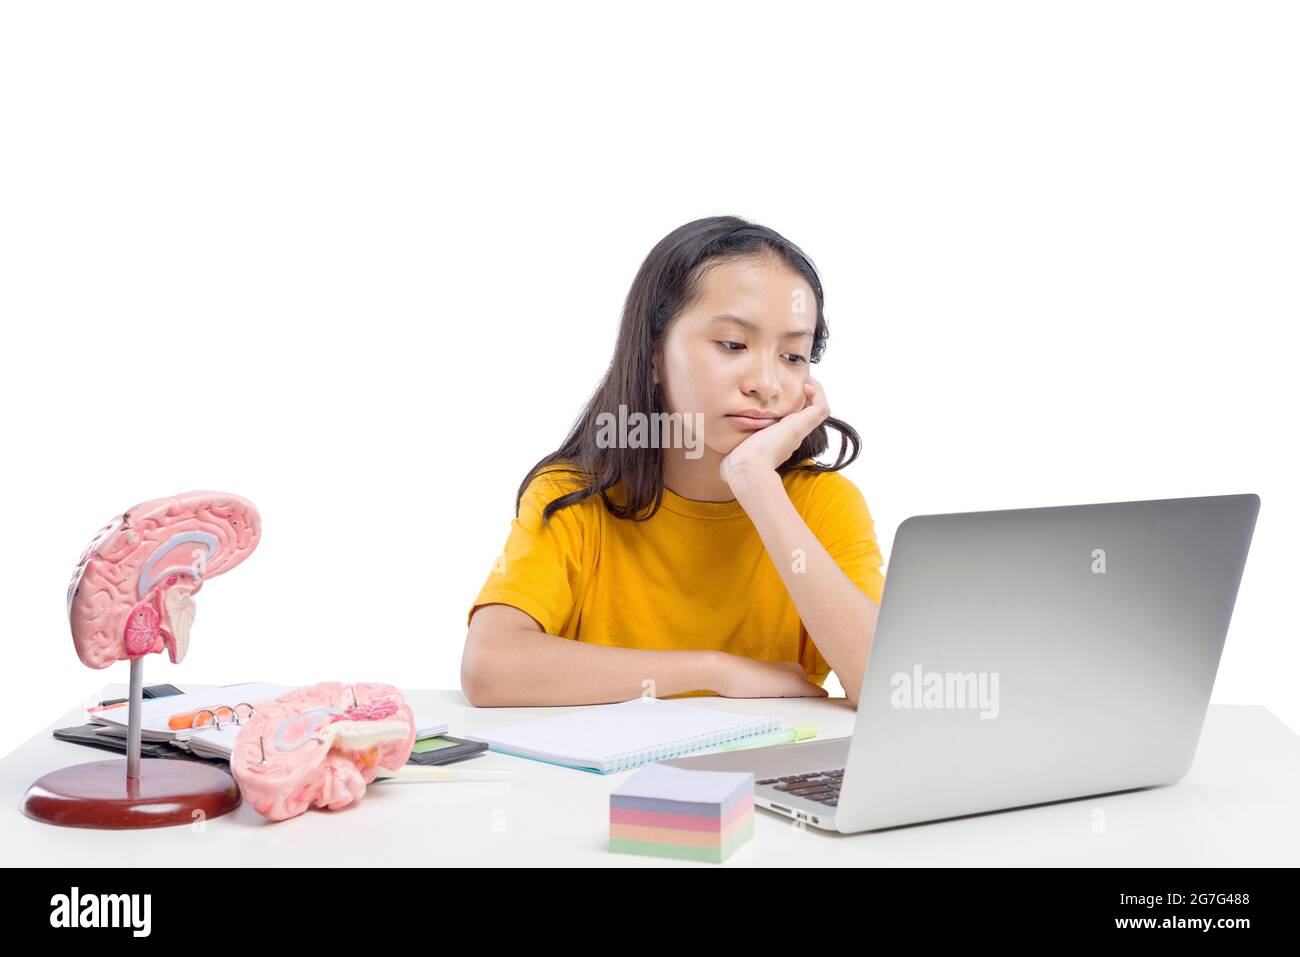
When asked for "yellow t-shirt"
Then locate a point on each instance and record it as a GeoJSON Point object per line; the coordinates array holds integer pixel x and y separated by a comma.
{"type": "Point", "coordinates": [694, 576]}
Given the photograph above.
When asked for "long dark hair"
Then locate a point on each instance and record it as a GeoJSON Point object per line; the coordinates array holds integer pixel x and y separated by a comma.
{"type": "Point", "coordinates": [668, 282]}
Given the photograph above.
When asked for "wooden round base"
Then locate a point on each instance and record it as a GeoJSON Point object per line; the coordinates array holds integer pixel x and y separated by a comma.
{"type": "Point", "coordinates": [99, 794]}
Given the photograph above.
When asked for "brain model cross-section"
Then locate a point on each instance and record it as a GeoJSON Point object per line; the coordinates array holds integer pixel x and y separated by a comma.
{"type": "Point", "coordinates": [133, 591]}
{"type": "Point", "coordinates": [320, 746]}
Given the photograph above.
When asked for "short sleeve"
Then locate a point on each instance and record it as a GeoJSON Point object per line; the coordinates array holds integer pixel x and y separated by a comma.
{"type": "Point", "coordinates": [843, 524]}
{"type": "Point", "coordinates": [848, 533]}
{"type": "Point", "coordinates": [540, 569]}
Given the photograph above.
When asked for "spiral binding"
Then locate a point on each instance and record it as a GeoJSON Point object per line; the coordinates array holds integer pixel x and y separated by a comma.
{"type": "Point", "coordinates": [627, 760]}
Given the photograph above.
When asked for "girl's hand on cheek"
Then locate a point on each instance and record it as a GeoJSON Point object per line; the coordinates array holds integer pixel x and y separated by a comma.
{"type": "Point", "coordinates": [767, 448]}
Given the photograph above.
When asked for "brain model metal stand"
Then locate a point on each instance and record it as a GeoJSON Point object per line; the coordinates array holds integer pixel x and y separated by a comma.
{"type": "Point", "coordinates": [320, 746]}
{"type": "Point", "coordinates": [132, 595]}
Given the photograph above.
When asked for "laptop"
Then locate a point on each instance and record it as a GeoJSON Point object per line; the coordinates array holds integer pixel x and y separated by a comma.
{"type": "Point", "coordinates": [1022, 657]}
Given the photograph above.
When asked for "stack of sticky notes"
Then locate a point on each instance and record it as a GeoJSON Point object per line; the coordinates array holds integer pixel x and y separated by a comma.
{"type": "Point", "coordinates": [664, 811]}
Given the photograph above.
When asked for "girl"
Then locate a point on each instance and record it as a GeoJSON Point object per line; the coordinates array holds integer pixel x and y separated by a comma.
{"type": "Point", "coordinates": [729, 562]}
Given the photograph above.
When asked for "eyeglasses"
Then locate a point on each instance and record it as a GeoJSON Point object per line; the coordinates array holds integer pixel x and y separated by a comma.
{"type": "Point", "coordinates": [213, 716]}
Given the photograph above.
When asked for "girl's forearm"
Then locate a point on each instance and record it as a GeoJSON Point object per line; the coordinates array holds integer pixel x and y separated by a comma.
{"type": "Point", "coordinates": [839, 616]}
{"type": "Point", "coordinates": [524, 668]}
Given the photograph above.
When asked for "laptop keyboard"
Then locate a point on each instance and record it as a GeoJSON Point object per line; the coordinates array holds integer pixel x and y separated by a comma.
{"type": "Point", "coordinates": [821, 786]}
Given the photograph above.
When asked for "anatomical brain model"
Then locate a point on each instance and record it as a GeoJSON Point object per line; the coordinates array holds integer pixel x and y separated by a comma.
{"type": "Point", "coordinates": [132, 595]}
{"type": "Point", "coordinates": [133, 591]}
{"type": "Point", "coordinates": [320, 746]}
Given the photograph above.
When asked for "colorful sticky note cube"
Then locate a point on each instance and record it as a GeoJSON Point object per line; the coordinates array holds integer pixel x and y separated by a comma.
{"type": "Point", "coordinates": [664, 811]}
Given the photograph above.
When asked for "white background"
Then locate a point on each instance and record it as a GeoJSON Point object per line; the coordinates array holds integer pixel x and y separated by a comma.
{"type": "Point", "coordinates": [363, 264]}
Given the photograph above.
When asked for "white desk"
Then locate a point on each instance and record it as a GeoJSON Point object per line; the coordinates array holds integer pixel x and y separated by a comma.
{"type": "Point", "coordinates": [1239, 805]}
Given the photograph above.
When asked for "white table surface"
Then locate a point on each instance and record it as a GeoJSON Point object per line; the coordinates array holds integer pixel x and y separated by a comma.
{"type": "Point", "coordinates": [1239, 806]}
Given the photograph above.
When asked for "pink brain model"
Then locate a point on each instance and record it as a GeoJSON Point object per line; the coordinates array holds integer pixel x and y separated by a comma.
{"type": "Point", "coordinates": [133, 591]}
{"type": "Point", "coordinates": [320, 746]}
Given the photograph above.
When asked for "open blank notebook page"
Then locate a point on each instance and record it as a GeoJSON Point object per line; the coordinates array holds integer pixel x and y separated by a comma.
{"type": "Point", "coordinates": [615, 737]}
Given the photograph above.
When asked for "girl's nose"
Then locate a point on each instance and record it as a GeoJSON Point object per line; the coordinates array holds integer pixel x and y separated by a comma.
{"type": "Point", "coordinates": [762, 381]}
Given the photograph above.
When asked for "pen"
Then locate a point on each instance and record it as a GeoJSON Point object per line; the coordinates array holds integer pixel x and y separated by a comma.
{"type": "Point", "coordinates": [419, 772]}
{"type": "Point", "coordinates": [106, 706]}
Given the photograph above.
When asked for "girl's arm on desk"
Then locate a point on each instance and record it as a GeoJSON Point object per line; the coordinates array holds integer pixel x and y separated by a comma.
{"type": "Point", "coordinates": [510, 662]}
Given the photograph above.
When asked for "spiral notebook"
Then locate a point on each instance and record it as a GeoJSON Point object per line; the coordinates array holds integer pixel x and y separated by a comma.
{"type": "Point", "coordinates": [616, 737]}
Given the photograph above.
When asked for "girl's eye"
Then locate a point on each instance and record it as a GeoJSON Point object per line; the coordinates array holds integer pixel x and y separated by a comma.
{"type": "Point", "coordinates": [729, 346]}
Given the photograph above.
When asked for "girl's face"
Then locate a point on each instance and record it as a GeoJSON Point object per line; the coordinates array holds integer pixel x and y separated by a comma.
{"type": "Point", "coordinates": [743, 347]}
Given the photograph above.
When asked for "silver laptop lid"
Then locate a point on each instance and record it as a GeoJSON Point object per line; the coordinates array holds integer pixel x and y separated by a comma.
{"type": "Point", "coordinates": [1033, 655]}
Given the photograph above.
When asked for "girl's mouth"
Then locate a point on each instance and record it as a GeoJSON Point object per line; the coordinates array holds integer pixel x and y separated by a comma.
{"type": "Point", "coordinates": [752, 421]}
